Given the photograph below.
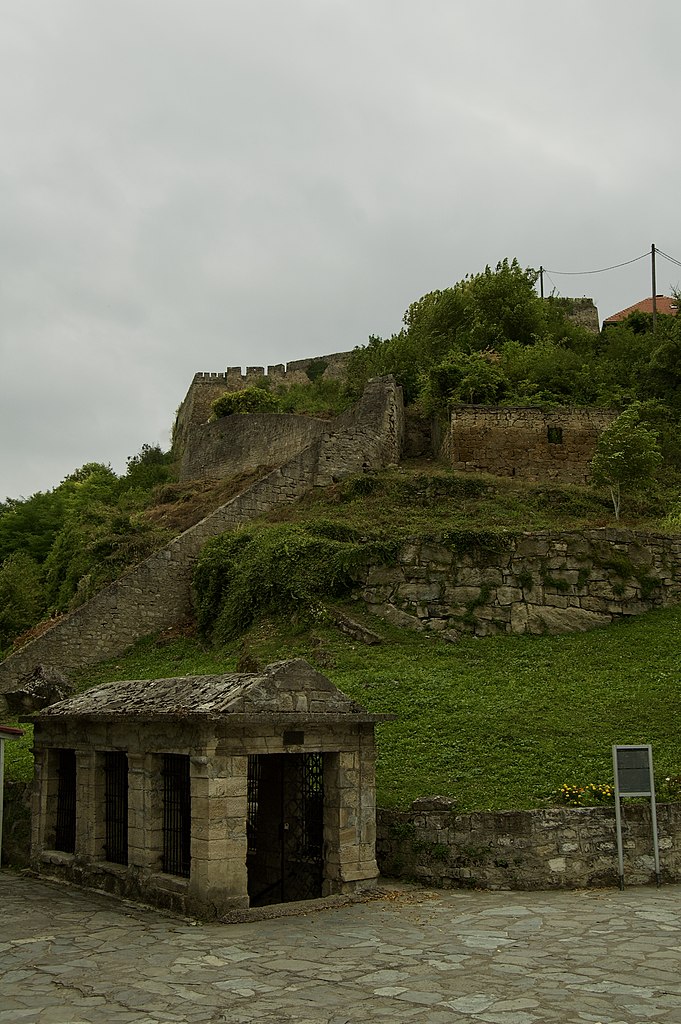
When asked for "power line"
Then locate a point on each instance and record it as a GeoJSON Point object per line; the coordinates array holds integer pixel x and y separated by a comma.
{"type": "Point", "coordinates": [668, 257]}
{"type": "Point", "coordinates": [581, 273]}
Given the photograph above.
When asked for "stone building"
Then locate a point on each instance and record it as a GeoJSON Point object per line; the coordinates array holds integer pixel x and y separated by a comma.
{"type": "Point", "coordinates": [532, 444]}
{"type": "Point", "coordinates": [205, 794]}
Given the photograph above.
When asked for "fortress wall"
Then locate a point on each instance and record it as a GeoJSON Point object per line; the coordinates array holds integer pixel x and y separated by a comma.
{"type": "Point", "coordinates": [529, 443]}
{"type": "Point", "coordinates": [236, 444]}
{"type": "Point", "coordinates": [196, 409]}
{"type": "Point", "coordinates": [155, 594]}
{"type": "Point", "coordinates": [543, 582]}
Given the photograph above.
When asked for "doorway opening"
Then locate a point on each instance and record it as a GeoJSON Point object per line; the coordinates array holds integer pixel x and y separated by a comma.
{"type": "Point", "coordinates": [285, 827]}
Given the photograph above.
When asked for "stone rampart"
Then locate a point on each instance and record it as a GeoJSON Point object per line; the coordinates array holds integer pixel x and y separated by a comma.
{"type": "Point", "coordinates": [156, 593]}
{"type": "Point", "coordinates": [544, 582]}
{"type": "Point", "coordinates": [239, 444]}
{"type": "Point", "coordinates": [206, 387]}
{"type": "Point", "coordinates": [549, 848]}
{"type": "Point", "coordinates": [531, 444]}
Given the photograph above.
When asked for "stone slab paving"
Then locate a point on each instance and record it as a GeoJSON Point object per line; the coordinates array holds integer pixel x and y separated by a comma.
{"type": "Point", "coordinates": [412, 955]}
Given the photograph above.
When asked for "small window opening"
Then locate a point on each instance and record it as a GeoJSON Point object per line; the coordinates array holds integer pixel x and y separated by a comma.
{"type": "Point", "coordinates": [65, 828]}
{"type": "Point", "coordinates": [555, 435]}
{"type": "Point", "coordinates": [176, 815]}
{"type": "Point", "coordinates": [116, 807]}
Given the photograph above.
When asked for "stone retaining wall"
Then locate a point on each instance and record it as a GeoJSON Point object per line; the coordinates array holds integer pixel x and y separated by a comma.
{"type": "Point", "coordinates": [156, 593]}
{"type": "Point", "coordinates": [552, 848]}
{"type": "Point", "coordinates": [544, 582]}
{"type": "Point", "coordinates": [527, 443]}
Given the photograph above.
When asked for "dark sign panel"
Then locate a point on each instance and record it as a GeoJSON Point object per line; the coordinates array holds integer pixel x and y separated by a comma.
{"type": "Point", "coordinates": [634, 774]}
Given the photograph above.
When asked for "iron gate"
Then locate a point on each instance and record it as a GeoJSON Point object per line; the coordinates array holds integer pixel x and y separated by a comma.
{"type": "Point", "coordinates": [285, 827]}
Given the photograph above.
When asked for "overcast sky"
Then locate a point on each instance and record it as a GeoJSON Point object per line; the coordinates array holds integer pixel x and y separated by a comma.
{"type": "Point", "coordinates": [192, 184]}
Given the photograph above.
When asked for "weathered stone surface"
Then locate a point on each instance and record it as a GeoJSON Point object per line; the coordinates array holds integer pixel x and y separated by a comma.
{"type": "Point", "coordinates": [548, 848]}
{"type": "Point", "coordinates": [551, 581]}
{"type": "Point", "coordinates": [43, 686]}
{"type": "Point", "coordinates": [529, 443]}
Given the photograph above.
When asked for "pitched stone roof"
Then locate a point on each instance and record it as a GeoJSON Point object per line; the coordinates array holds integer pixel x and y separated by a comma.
{"type": "Point", "coordinates": [285, 688]}
{"type": "Point", "coordinates": [665, 305]}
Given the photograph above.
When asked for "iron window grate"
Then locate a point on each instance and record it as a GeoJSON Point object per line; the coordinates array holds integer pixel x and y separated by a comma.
{"type": "Point", "coordinates": [176, 815]}
{"type": "Point", "coordinates": [65, 829]}
{"type": "Point", "coordinates": [116, 807]}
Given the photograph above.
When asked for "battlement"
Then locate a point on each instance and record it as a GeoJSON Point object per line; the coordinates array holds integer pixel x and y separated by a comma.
{"type": "Point", "coordinates": [207, 385]}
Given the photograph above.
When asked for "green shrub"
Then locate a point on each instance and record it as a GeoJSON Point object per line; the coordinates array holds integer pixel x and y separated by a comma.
{"type": "Point", "coordinates": [251, 399]}
{"type": "Point", "coordinates": [278, 568]}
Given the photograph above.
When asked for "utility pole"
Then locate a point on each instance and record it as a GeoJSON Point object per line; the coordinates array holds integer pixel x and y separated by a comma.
{"type": "Point", "coordinates": [541, 282]}
{"type": "Point", "coordinates": [652, 262]}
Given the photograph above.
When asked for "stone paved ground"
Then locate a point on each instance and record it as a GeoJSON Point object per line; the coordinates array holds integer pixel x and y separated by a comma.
{"type": "Point", "coordinates": [69, 957]}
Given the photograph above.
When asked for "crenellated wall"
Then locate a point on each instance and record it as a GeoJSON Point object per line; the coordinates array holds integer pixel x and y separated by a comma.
{"type": "Point", "coordinates": [206, 387]}
{"type": "Point", "coordinates": [156, 593]}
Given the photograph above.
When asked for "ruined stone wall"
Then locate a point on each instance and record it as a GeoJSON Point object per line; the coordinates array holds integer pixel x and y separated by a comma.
{"type": "Point", "coordinates": [582, 312]}
{"type": "Point", "coordinates": [544, 582]}
{"type": "Point", "coordinates": [551, 848]}
{"type": "Point", "coordinates": [239, 444]}
{"type": "Point", "coordinates": [528, 443]}
{"type": "Point", "coordinates": [206, 387]}
{"type": "Point", "coordinates": [156, 593]}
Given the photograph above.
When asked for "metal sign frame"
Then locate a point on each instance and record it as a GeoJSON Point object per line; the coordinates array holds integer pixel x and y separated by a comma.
{"type": "Point", "coordinates": [634, 779]}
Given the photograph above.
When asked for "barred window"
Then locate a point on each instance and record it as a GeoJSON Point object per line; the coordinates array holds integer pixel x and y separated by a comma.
{"type": "Point", "coordinates": [116, 806]}
{"type": "Point", "coordinates": [176, 815]}
{"type": "Point", "coordinates": [65, 827]}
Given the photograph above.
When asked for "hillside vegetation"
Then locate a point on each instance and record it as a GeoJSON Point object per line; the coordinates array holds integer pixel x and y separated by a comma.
{"type": "Point", "coordinates": [499, 722]}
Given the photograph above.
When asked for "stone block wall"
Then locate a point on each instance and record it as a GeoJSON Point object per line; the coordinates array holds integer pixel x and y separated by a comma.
{"type": "Point", "coordinates": [206, 387]}
{"type": "Point", "coordinates": [239, 444]}
{"type": "Point", "coordinates": [549, 848]}
{"type": "Point", "coordinates": [528, 443]}
{"type": "Point", "coordinates": [544, 582]}
{"type": "Point", "coordinates": [156, 593]}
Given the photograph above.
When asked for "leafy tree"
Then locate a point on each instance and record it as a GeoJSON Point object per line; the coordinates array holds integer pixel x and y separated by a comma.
{"type": "Point", "coordinates": [21, 596]}
{"type": "Point", "coordinates": [470, 378]}
{"type": "Point", "coordinates": [151, 466]}
{"type": "Point", "coordinates": [627, 455]}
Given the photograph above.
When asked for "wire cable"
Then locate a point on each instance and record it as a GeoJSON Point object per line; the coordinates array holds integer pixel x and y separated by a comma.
{"type": "Point", "coordinates": [581, 273]}
{"type": "Point", "coordinates": [668, 257]}
{"type": "Point", "coordinates": [555, 289]}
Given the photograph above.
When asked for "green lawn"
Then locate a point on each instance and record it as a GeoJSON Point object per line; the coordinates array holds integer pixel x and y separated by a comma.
{"type": "Point", "coordinates": [498, 722]}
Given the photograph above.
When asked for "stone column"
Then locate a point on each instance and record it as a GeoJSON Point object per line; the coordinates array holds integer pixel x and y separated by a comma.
{"type": "Point", "coordinates": [43, 801]}
{"type": "Point", "coordinates": [138, 846]}
{"type": "Point", "coordinates": [219, 878]}
{"type": "Point", "coordinates": [350, 816]}
{"type": "Point", "coordinates": [90, 833]}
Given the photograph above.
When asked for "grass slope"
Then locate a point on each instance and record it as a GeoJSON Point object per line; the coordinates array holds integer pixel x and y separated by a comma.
{"type": "Point", "coordinates": [497, 723]}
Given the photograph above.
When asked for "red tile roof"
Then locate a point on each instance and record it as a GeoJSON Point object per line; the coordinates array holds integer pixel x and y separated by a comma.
{"type": "Point", "coordinates": [665, 304]}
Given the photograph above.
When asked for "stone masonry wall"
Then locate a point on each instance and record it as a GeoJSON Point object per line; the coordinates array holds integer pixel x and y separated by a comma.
{"type": "Point", "coordinates": [156, 593]}
{"type": "Point", "coordinates": [544, 582]}
{"type": "Point", "coordinates": [550, 848]}
{"type": "Point", "coordinates": [238, 444]}
{"type": "Point", "coordinates": [206, 387]}
{"type": "Point", "coordinates": [527, 443]}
